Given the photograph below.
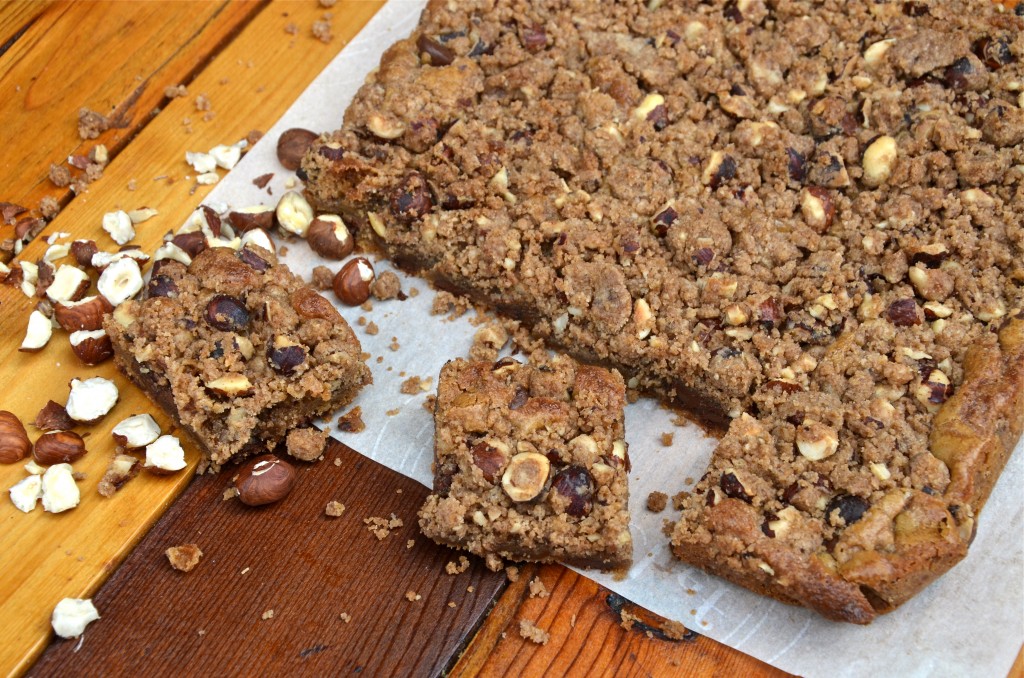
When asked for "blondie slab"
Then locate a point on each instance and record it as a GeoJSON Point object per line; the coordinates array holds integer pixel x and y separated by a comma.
{"type": "Point", "coordinates": [530, 463]}
{"type": "Point", "coordinates": [800, 219]}
{"type": "Point", "coordinates": [237, 350]}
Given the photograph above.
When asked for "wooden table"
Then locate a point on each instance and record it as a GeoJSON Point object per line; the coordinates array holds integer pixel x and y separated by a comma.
{"type": "Point", "coordinates": [283, 589]}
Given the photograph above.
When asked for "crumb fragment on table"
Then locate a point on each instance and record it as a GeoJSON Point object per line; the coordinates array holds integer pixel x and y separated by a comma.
{"type": "Point", "coordinates": [382, 527]}
{"type": "Point", "coordinates": [323, 278]}
{"type": "Point", "coordinates": [512, 572]}
{"type": "Point", "coordinates": [345, 617]}
{"type": "Point", "coordinates": [229, 493]}
{"type": "Point", "coordinates": [60, 176]}
{"type": "Point", "coordinates": [415, 385]}
{"type": "Point", "coordinates": [175, 91]}
{"type": "Point", "coordinates": [488, 342]}
{"type": "Point", "coordinates": [334, 509]}
{"type": "Point", "coordinates": [269, 614]}
{"type": "Point", "coordinates": [306, 444]}
{"type": "Point", "coordinates": [666, 438]}
{"type": "Point", "coordinates": [533, 633]}
{"type": "Point", "coordinates": [537, 588]}
{"type": "Point", "coordinates": [457, 568]}
{"type": "Point", "coordinates": [385, 286]}
{"type": "Point", "coordinates": [184, 558]}
{"type": "Point", "coordinates": [352, 421]}
{"type": "Point", "coordinates": [657, 501]}
{"type": "Point", "coordinates": [446, 303]}
{"type": "Point", "coordinates": [412, 596]}
{"type": "Point", "coordinates": [372, 329]}
{"type": "Point", "coordinates": [673, 630]}
{"type": "Point", "coordinates": [91, 124]}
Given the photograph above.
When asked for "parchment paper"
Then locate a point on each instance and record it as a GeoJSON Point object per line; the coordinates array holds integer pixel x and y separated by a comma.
{"type": "Point", "coordinates": [970, 622]}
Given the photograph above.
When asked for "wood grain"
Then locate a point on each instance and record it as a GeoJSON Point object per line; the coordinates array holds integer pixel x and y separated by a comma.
{"type": "Point", "coordinates": [115, 58]}
{"type": "Point", "coordinates": [588, 631]}
{"type": "Point", "coordinates": [250, 83]}
{"type": "Point", "coordinates": [306, 567]}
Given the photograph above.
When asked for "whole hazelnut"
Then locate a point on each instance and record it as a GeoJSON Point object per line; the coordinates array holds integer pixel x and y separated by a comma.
{"type": "Point", "coordinates": [292, 145]}
{"type": "Point", "coordinates": [264, 480]}
{"type": "Point", "coordinates": [329, 237]}
{"type": "Point", "coordinates": [58, 447]}
{"type": "Point", "coordinates": [352, 283]}
{"type": "Point", "coordinates": [14, 442]}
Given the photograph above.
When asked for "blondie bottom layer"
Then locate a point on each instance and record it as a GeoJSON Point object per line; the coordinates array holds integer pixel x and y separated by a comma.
{"type": "Point", "coordinates": [237, 349]}
{"type": "Point", "coordinates": [530, 463]}
{"type": "Point", "coordinates": [800, 219]}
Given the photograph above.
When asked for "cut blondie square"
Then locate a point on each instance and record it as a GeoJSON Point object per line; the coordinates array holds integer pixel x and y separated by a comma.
{"type": "Point", "coordinates": [530, 463]}
{"type": "Point", "coordinates": [237, 350]}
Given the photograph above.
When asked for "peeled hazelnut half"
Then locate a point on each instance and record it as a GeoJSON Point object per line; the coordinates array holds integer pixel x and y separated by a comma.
{"type": "Point", "coordinates": [815, 441]}
{"type": "Point", "coordinates": [329, 237]}
{"type": "Point", "coordinates": [879, 160]}
{"type": "Point", "coordinates": [525, 476]}
{"type": "Point", "coordinates": [119, 225]}
{"type": "Point", "coordinates": [294, 214]}
{"type": "Point", "coordinates": [260, 238]}
{"type": "Point", "coordinates": [91, 399]}
{"type": "Point", "coordinates": [72, 615]}
{"type": "Point", "coordinates": [136, 432]}
{"type": "Point", "coordinates": [60, 493]}
{"type": "Point", "coordinates": [264, 480]}
{"type": "Point", "coordinates": [14, 442]}
{"type": "Point", "coordinates": [25, 493]}
{"type": "Point", "coordinates": [37, 334]}
{"type": "Point", "coordinates": [120, 281]}
{"type": "Point", "coordinates": [91, 347]}
{"type": "Point", "coordinates": [165, 455]}
{"type": "Point", "coordinates": [70, 283]}
{"type": "Point", "coordinates": [231, 385]}
{"type": "Point", "coordinates": [85, 314]}
{"type": "Point", "coordinates": [58, 447]}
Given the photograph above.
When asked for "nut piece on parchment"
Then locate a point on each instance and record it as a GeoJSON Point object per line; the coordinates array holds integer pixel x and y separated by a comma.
{"type": "Point", "coordinates": [264, 480]}
{"type": "Point", "coordinates": [292, 145]}
{"type": "Point", "coordinates": [14, 442]}
{"type": "Point", "coordinates": [352, 282]}
{"type": "Point", "coordinates": [329, 237]}
{"type": "Point", "coordinates": [184, 558]}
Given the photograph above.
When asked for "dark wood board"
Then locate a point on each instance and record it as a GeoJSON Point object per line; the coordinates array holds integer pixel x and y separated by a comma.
{"type": "Point", "coordinates": [306, 567]}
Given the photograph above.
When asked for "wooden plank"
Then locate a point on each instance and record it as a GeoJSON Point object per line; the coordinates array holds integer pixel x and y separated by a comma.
{"type": "Point", "coordinates": [250, 84]}
{"type": "Point", "coordinates": [115, 58]}
{"type": "Point", "coordinates": [16, 17]}
{"type": "Point", "coordinates": [586, 623]}
{"type": "Point", "coordinates": [294, 560]}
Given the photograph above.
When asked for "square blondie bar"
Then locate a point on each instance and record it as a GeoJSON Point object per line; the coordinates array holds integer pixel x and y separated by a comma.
{"type": "Point", "coordinates": [237, 350]}
{"type": "Point", "coordinates": [530, 463]}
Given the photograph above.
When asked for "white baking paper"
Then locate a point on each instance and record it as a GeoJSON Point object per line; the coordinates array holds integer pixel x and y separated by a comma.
{"type": "Point", "coordinates": [969, 623]}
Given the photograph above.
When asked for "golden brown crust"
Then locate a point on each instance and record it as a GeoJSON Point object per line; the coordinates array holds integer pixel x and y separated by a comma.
{"type": "Point", "coordinates": [924, 535]}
